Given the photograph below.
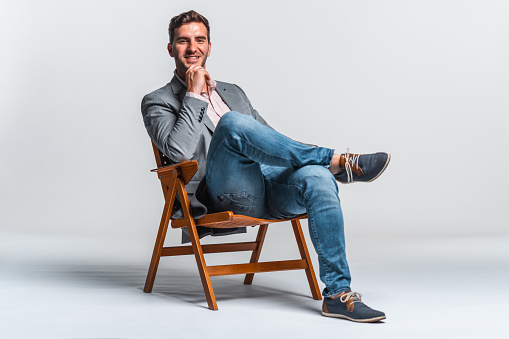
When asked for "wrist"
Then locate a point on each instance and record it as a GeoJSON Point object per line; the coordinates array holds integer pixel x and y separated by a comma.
{"type": "Point", "coordinates": [195, 95]}
{"type": "Point", "coordinates": [194, 90]}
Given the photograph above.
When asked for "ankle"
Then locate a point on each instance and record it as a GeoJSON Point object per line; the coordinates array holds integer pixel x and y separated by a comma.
{"type": "Point", "coordinates": [335, 164]}
{"type": "Point", "coordinates": [335, 296]}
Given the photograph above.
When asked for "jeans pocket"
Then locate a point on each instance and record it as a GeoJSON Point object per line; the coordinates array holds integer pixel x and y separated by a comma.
{"type": "Point", "coordinates": [238, 203]}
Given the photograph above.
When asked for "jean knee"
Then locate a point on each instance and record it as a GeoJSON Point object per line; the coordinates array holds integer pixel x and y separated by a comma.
{"type": "Point", "coordinates": [230, 122]}
{"type": "Point", "coordinates": [318, 179]}
{"type": "Point", "coordinates": [237, 124]}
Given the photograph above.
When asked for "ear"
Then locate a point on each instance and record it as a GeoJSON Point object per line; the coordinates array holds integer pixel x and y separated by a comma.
{"type": "Point", "coordinates": [170, 50]}
{"type": "Point", "coordinates": [210, 48]}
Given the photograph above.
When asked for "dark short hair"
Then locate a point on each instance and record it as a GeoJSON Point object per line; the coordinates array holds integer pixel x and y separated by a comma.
{"type": "Point", "coordinates": [185, 18]}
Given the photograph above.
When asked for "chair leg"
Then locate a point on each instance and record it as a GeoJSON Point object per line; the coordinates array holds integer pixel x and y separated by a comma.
{"type": "Point", "coordinates": [161, 235]}
{"type": "Point", "coordinates": [256, 252]}
{"type": "Point", "coordinates": [304, 253]}
{"type": "Point", "coordinates": [197, 249]}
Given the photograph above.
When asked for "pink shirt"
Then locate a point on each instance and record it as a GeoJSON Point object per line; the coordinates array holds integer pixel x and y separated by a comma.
{"type": "Point", "coordinates": [217, 107]}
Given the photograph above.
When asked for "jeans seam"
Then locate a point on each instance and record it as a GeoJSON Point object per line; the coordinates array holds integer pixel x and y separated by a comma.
{"type": "Point", "coordinates": [318, 245]}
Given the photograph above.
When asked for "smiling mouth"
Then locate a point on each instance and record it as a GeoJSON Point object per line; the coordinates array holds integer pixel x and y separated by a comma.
{"type": "Point", "coordinates": [192, 58]}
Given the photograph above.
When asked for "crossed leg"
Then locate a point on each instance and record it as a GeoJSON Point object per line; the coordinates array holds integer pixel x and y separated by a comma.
{"type": "Point", "coordinates": [256, 171]}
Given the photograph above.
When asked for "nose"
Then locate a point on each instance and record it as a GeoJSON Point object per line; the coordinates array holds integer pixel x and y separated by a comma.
{"type": "Point", "coordinates": [191, 48]}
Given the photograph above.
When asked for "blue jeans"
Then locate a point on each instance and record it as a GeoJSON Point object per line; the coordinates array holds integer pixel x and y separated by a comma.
{"type": "Point", "coordinates": [256, 171]}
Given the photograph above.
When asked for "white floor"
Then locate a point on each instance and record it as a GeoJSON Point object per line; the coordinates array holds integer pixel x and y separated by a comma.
{"type": "Point", "coordinates": [57, 287]}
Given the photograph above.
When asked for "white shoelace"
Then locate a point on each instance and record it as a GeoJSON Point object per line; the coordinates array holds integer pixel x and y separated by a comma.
{"type": "Point", "coordinates": [348, 167]}
{"type": "Point", "coordinates": [357, 297]}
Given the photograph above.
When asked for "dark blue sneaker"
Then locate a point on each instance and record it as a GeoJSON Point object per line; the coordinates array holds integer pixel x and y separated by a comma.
{"type": "Point", "coordinates": [349, 306]}
{"type": "Point", "coordinates": [362, 167]}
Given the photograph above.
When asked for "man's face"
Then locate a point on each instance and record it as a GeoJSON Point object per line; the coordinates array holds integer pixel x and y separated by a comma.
{"type": "Point", "coordinates": [190, 47]}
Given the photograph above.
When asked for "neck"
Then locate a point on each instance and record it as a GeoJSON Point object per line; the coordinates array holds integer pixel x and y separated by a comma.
{"type": "Point", "coordinates": [182, 76]}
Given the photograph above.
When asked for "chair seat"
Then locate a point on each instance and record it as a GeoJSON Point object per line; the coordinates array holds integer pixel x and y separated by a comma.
{"type": "Point", "coordinates": [229, 220]}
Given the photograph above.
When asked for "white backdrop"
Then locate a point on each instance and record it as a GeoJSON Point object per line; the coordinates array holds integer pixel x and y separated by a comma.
{"type": "Point", "coordinates": [426, 81]}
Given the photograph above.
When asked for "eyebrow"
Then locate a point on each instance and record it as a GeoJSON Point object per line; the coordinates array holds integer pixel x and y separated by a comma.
{"type": "Point", "coordinates": [187, 38]}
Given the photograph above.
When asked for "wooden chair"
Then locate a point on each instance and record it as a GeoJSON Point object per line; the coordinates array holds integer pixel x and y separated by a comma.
{"type": "Point", "coordinates": [173, 179]}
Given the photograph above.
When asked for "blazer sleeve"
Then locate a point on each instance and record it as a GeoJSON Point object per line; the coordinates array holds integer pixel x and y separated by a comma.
{"type": "Point", "coordinates": [174, 131]}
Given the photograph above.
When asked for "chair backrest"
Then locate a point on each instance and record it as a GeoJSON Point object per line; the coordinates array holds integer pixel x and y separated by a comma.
{"type": "Point", "coordinates": [161, 159]}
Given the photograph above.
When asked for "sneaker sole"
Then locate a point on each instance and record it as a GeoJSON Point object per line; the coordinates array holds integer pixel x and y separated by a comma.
{"type": "Point", "coordinates": [341, 316]}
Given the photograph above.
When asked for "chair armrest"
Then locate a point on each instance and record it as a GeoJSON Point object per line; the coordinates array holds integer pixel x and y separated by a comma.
{"type": "Point", "coordinates": [185, 169]}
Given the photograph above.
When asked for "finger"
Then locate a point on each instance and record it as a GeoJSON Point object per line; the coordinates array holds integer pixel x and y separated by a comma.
{"type": "Point", "coordinates": [193, 68]}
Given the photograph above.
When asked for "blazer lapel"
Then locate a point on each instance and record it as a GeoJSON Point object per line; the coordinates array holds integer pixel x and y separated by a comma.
{"type": "Point", "coordinates": [178, 89]}
{"type": "Point", "coordinates": [209, 123]}
{"type": "Point", "coordinates": [226, 96]}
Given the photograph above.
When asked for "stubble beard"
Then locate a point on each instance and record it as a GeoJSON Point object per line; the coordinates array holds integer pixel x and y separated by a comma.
{"type": "Point", "coordinates": [185, 68]}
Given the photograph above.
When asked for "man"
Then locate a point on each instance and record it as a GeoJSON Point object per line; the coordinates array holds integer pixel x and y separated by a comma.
{"type": "Point", "coordinates": [247, 167]}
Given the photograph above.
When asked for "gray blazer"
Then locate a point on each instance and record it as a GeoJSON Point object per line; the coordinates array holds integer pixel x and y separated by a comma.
{"type": "Point", "coordinates": [180, 127]}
